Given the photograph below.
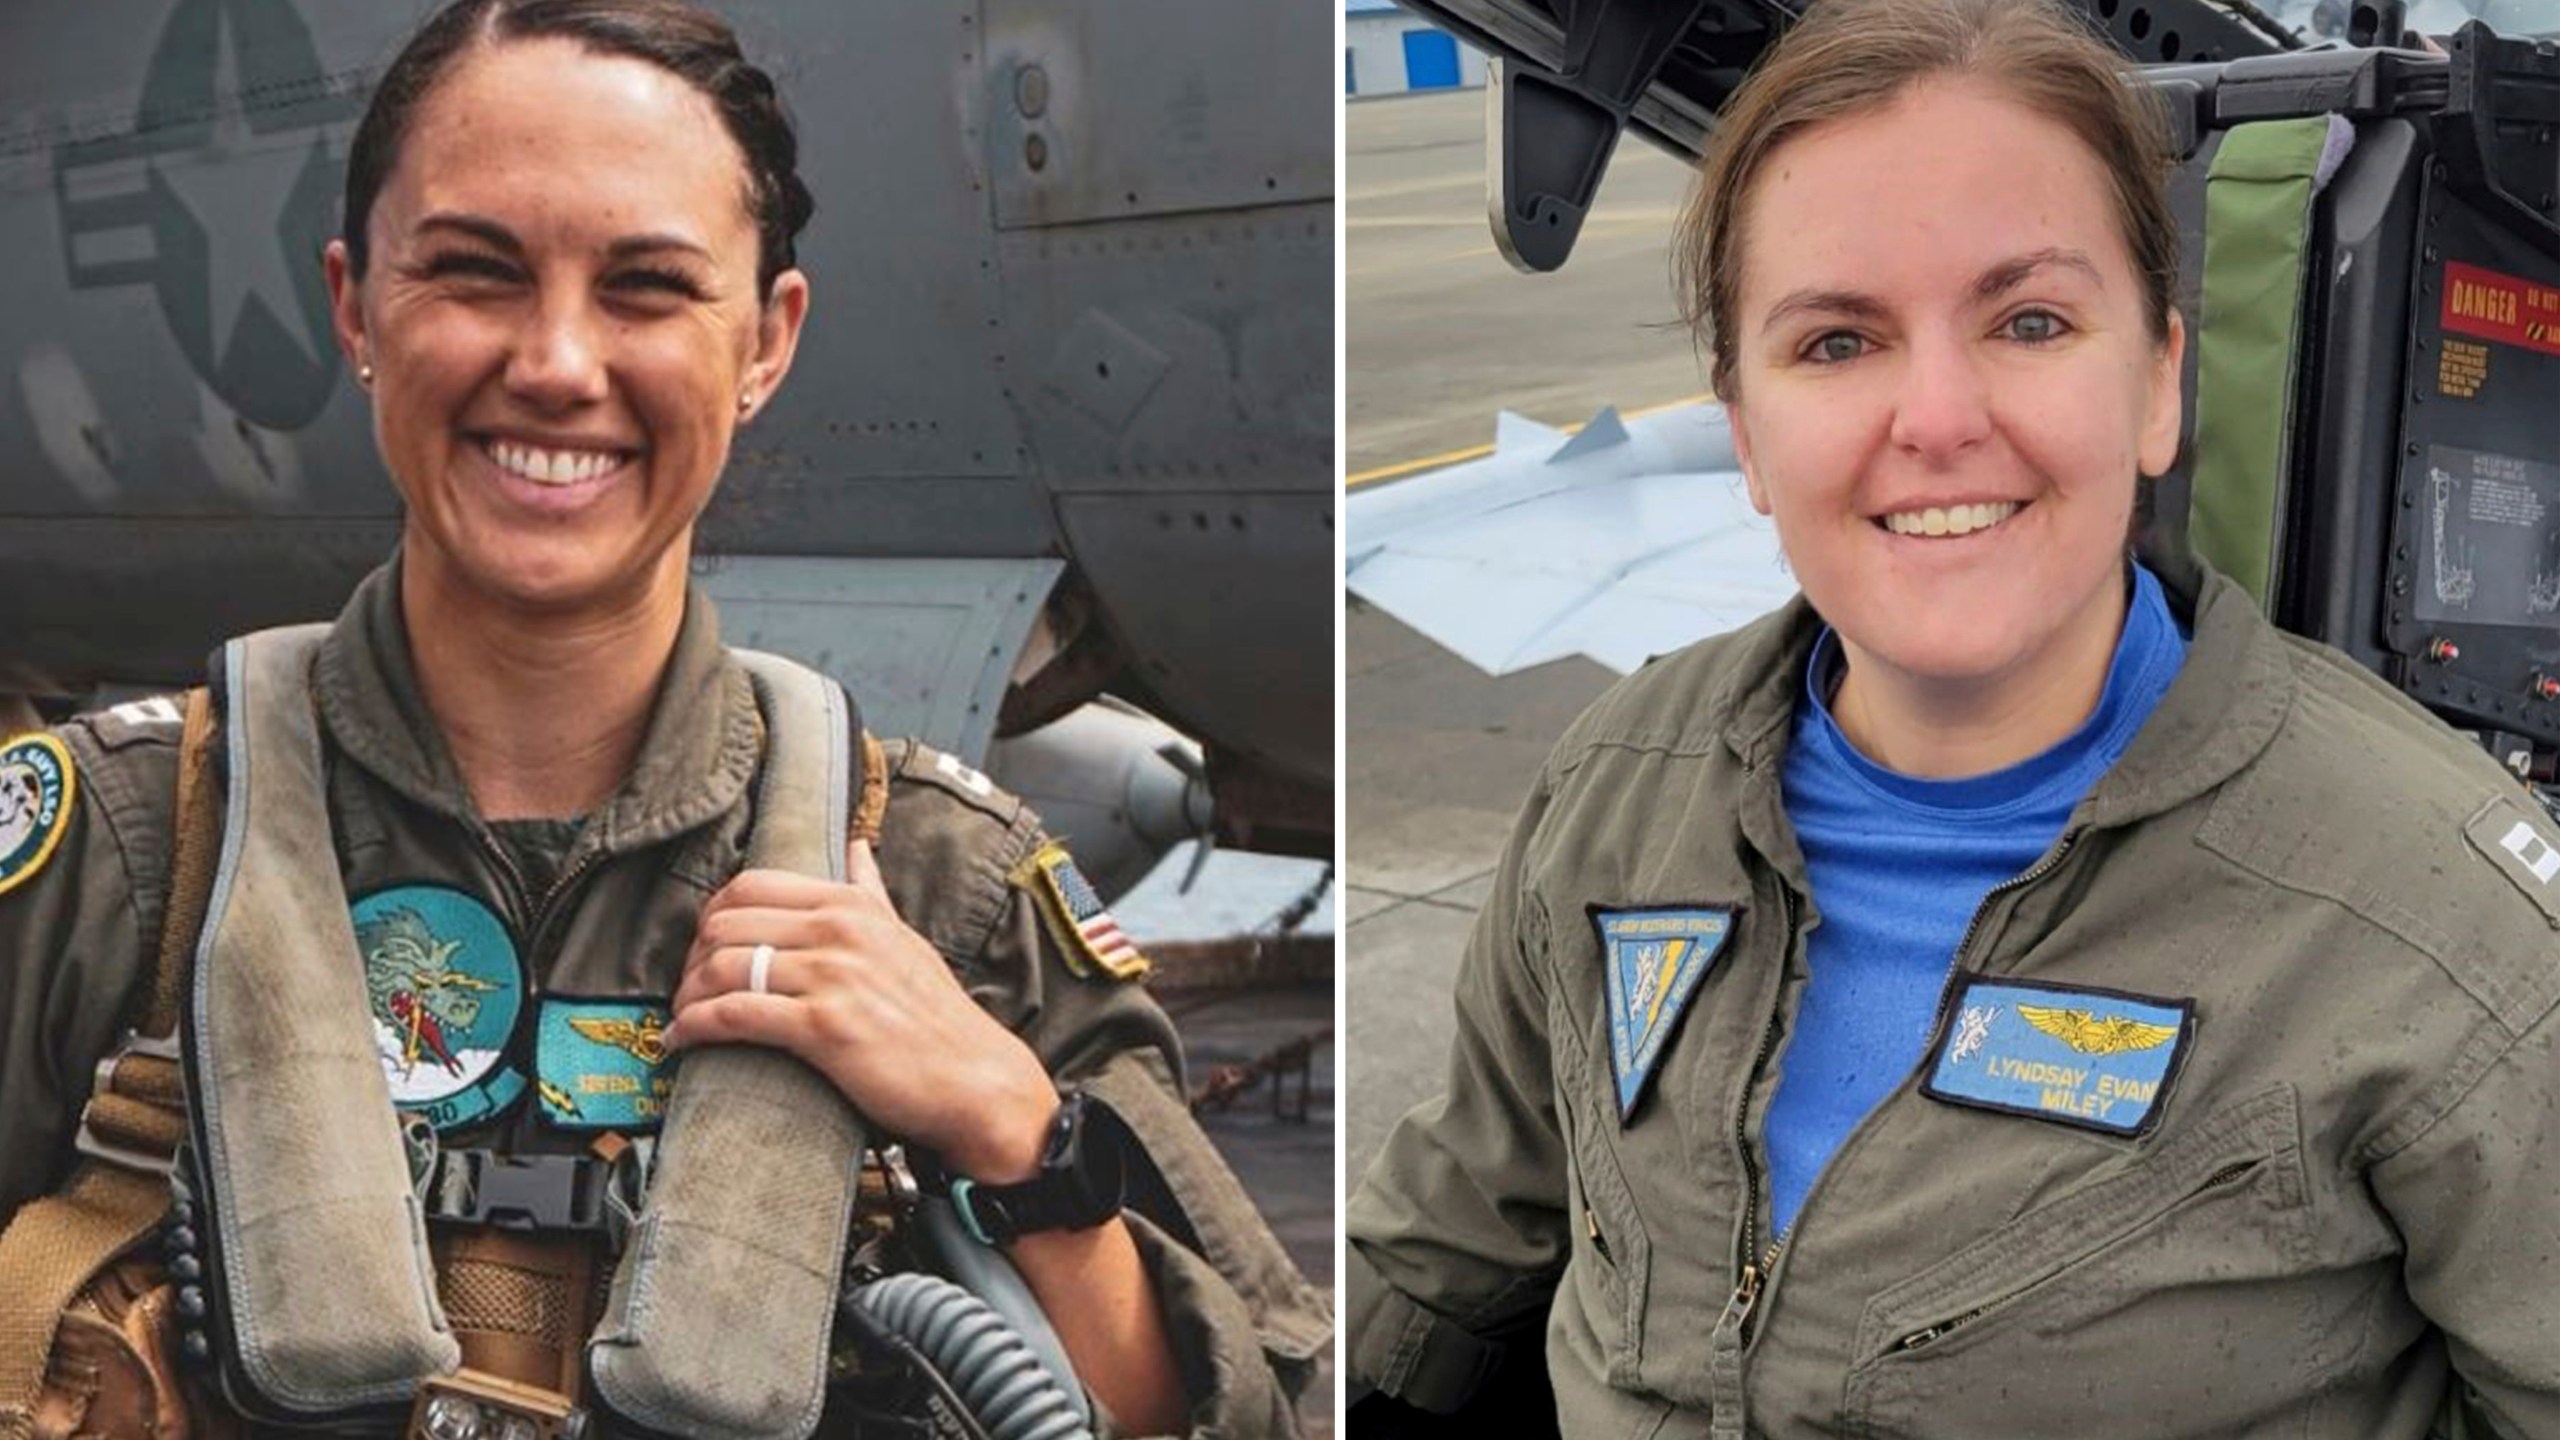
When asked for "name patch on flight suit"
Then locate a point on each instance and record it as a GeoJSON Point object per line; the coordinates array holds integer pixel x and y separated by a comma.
{"type": "Point", "coordinates": [1656, 959]}
{"type": "Point", "coordinates": [601, 1064]}
{"type": "Point", "coordinates": [2098, 1059]}
{"type": "Point", "coordinates": [37, 786]}
{"type": "Point", "coordinates": [446, 988]}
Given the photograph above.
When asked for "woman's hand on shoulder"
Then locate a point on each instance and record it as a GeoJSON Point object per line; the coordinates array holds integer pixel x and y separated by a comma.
{"type": "Point", "coordinates": [871, 1005]}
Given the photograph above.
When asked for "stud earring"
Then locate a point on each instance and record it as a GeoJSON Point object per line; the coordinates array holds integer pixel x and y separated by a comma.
{"type": "Point", "coordinates": [746, 402]}
{"type": "Point", "coordinates": [364, 373]}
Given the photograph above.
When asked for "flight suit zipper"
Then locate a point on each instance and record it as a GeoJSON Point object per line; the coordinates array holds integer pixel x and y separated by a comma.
{"type": "Point", "coordinates": [548, 907]}
{"type": "Point", "coordinates": [2051, 862]}
{"type": "Point", "coordinates": [1757, 1267]}
{"type": "Point", "coordinates": [1591, 1219]}
{"type": "Point", "coordinates": [1725, 1343]}
{"type": "Point", "coordinates": [537, 913]}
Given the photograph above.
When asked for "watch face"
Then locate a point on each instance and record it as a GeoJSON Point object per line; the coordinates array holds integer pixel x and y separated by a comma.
{"type": "Point", "coordinates": [1083, 1178]}
{"type": "Point", "coordinates": [1090, 1178]}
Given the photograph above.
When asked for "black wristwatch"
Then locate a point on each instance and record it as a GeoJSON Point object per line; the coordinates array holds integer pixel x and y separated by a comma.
{"type": "Point", "coordinates": [1084, 1173]}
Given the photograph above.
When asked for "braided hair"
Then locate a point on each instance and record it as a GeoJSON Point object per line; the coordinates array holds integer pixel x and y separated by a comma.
{"type": "Point", "coordinates": [679, 38]}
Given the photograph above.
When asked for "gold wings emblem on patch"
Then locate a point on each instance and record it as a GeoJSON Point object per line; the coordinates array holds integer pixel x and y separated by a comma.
{"type": "Point", "coordinates": [2090, 1035]}
{"type": "Point", "coordinates": [645, 1037]}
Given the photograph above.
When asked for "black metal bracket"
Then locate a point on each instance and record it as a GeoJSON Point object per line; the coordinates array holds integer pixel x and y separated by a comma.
{"type": "Point", "coordinates": [1557, 129]}
{"type": "Point", "coordinates": [2495, 137]}
{"type": "Point", "coordinates": [2174, 32]}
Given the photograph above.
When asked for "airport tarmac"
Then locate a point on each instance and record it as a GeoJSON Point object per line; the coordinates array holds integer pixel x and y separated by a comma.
{"type": "Point", "coordinates": [1443, 334]}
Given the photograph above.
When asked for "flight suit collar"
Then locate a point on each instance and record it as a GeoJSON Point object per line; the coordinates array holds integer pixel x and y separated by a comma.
{"type": "Point", "coordinates": [700, 751]}
{"type": "Point", "coordinates": [2224, 708]}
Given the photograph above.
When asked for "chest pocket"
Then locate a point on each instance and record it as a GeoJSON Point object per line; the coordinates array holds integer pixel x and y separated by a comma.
{"type": "Point", "coordinates": [2159, 1288]}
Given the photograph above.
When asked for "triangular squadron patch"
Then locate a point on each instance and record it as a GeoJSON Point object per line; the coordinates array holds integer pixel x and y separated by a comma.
{"type": "Point", "coordinates": [1655, 960]}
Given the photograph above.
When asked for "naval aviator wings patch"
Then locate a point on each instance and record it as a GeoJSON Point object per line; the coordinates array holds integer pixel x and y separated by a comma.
{"type": "Point", "coordinates": [2098, 1059]}
{"type": "Point", "coordinates": [1655, 959]}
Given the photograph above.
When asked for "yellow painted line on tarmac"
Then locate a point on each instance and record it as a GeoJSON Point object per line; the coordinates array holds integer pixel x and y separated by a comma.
{"type": "Point", "coordinates": [1478, 452]}
{"type": "Point", "coordinates": [1407, 467]}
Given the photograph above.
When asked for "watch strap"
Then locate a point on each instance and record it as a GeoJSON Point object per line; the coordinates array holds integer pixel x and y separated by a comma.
{"type": "Point", "coordinates": [1081, 1181]}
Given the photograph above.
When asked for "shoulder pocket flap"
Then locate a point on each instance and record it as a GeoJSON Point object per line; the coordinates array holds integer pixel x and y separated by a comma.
{"type": "Point", "coordinates": [2127, 1196]}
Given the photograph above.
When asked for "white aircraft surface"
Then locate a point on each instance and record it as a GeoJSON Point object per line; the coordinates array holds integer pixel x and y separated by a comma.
{"type": "Point", "coordinates": [1625, 541]}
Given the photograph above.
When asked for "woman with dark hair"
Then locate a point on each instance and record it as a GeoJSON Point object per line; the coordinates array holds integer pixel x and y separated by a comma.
{"type": "Point", "coordinates": [2008, 991]}
{"type": "Point", "coordinates": [542, 962]}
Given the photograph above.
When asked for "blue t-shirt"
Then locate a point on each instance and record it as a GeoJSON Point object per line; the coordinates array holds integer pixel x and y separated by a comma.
{"type": "Point", "coordinates": [1898, 866]}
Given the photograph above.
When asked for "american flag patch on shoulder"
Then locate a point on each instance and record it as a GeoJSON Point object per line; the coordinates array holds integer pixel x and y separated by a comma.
{"type": "Point", "coordinates": [1084, 927]}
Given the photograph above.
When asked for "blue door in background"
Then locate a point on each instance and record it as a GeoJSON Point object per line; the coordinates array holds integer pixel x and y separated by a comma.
{"type": "Point", "coordinates": [1430, 60]}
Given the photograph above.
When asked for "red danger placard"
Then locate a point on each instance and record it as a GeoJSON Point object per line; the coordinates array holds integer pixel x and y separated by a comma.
{"type": "Point", "coordinates": [2499, 307]}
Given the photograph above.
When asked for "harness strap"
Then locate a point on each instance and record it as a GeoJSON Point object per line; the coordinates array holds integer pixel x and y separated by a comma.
{"type": "Point", "coordinates": [875, 791]}
{"type": "Point", "coordinates": [130, 1131]}
{"type": "Point", "coordinates": [521, 1304]}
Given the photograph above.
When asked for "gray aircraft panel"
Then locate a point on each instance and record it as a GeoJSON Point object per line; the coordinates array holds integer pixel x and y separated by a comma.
{"type": "Point", "coordinates": [1223, 388]}
{"type": "Point", "coordinates": [985, 370]}
{"type": "Point", "coordinates": [1104, 131]}
{"type": "Point", "coordinates": [1187, 435]}
{"type": "Point", "coordinates": [925, 646]}
{"type": "Point", "coordinates": [1236, 680]}
{"type": "Point", "coordinates": [899, 246]}
{"type": "Point", "coordinates": [165, 188]}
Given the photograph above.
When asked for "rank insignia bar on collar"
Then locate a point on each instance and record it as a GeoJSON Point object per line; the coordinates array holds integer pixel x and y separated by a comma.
{"type": "Point", "coordinates": [37, 786]}
{"type": "Point", "coordinates": [446, 989]}
{"type": "Point", "coordinates": [1656, 959]}
{"type": "Point", "coordinates": [1084, 927]}
{"type": "Point", "coordinates": [2098, 1059]}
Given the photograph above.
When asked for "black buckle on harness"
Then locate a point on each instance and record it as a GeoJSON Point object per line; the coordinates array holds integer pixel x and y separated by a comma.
{"type": "Point", "coordinates": [518, 1192]}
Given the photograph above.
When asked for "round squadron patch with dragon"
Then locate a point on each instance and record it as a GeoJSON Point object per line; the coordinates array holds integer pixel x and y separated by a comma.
{"type": "Point", "coordinates": [36, 790]}
{"type": "Point", "coordinates": [446, 988]}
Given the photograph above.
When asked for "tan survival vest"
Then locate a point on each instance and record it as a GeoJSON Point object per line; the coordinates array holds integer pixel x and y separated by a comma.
{"type": "Point", "coordinates": [253, 1047]}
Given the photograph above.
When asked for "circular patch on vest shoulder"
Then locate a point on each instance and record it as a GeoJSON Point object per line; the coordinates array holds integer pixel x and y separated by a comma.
{"type": "Point", "coordinates": [446, 988]}
{"type": "Point", "coordinates": [36, 790]}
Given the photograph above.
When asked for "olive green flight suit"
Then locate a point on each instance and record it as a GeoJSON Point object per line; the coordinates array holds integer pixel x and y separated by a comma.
{"type": "Point", "coordinates": [77, 936]}
{"type": "Point", "coordinates": [2351, 1187]}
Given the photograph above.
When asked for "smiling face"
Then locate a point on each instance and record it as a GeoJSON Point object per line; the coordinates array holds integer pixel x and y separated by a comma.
{"type": "Point", "coordinates": [1945, 388]}
{"type": "Point", "coordinates": [561, 314]}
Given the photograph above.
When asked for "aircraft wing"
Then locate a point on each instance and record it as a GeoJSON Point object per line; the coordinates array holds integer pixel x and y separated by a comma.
{"type": "Point", "coordinates": [1568, 79]}
{"type": "Point", "coordinates": [1625, 541]}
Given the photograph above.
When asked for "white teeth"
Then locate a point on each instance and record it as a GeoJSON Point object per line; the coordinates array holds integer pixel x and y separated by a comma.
{"type": "Point", "coordinates": [551, 467]}
{"type": "Point", "coordinates": [1951, 520]}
